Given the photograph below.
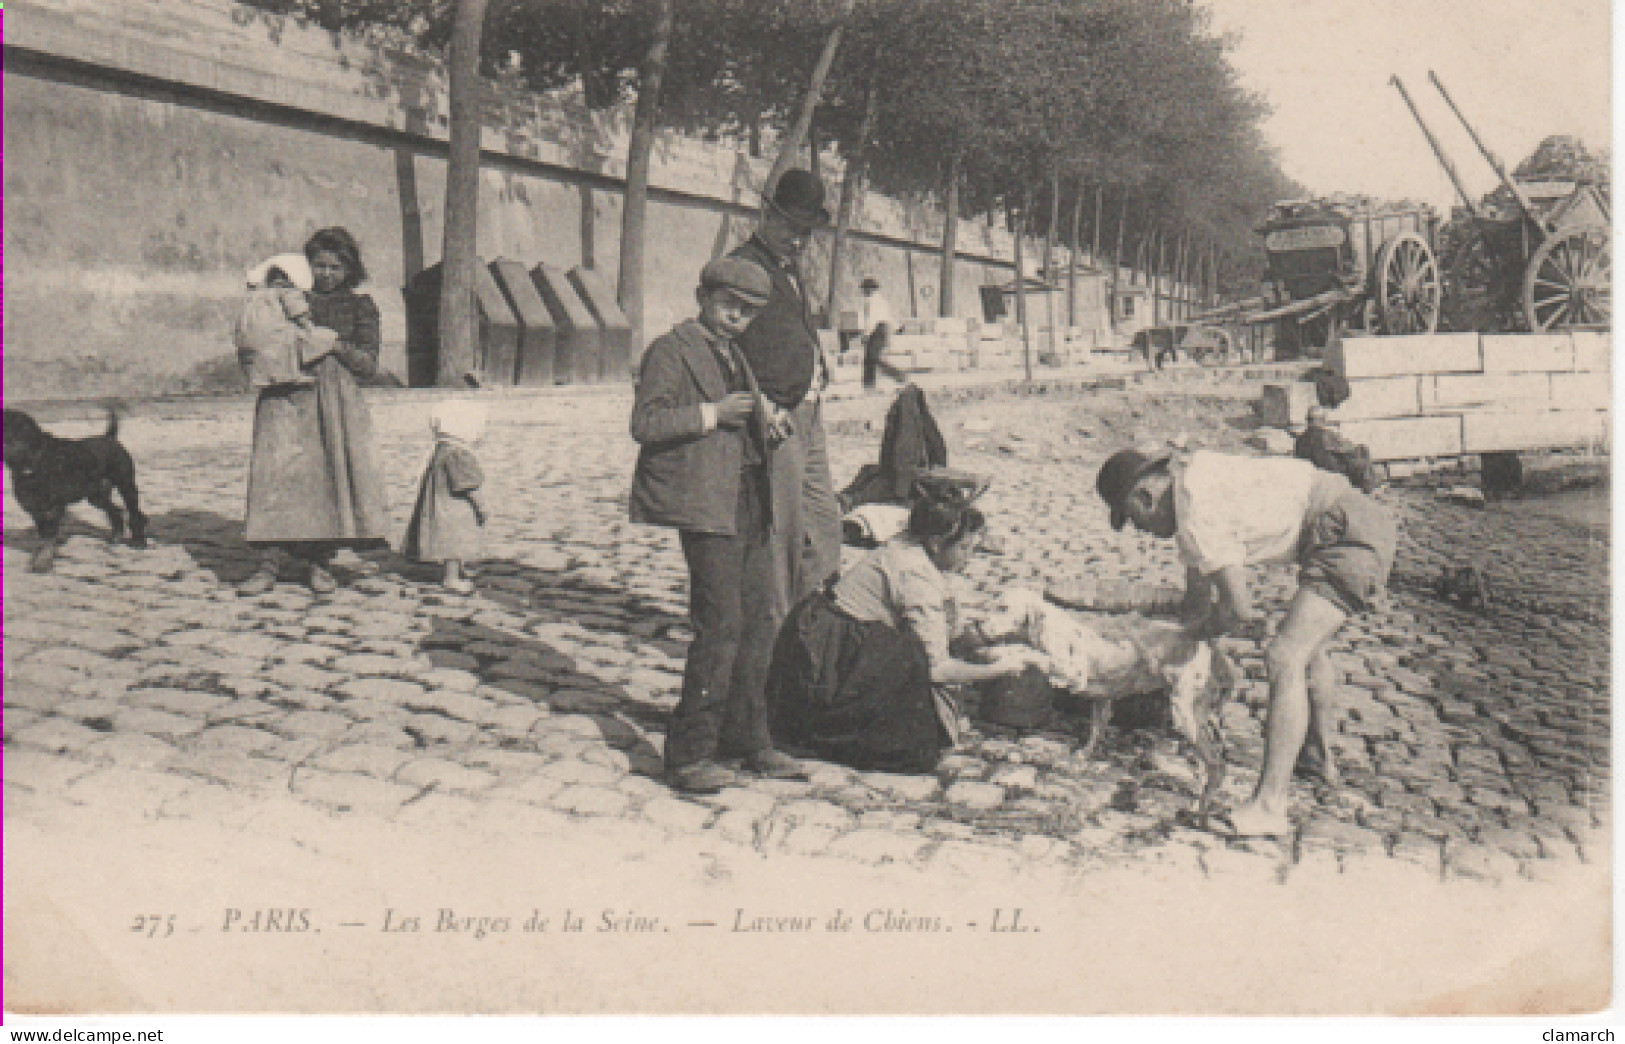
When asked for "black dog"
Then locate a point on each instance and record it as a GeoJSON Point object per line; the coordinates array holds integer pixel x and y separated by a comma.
{"type": "Point", "coordinates": [48, 474]}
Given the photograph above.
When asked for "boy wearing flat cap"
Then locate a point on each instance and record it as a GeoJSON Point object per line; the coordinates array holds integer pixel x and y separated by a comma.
{"type": "Point", "coordinates": [703, 470]}
{"type": "Point", "coordinates": [1230, 512]}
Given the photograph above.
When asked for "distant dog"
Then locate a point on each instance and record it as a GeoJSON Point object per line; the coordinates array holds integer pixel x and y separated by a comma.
{"type": "Point", "coordinates": [49, 474]}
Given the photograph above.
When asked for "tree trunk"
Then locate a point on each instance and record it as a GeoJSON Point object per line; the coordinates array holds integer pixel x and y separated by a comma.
{"type": "Point", "coordinates": [629, 288]}
{"type": "Point", "coordinates": [1183, 279]}
{"type": "Point", "coordinates": [809, 102]}
{"type": "Point", "coordinates": [1049, 258]}
{"type": "Point", "coordinates": [1117, 258]}
{"type": "Point", "coordinates": [458, 261]}
{"type": "Point", "coordinates": [1177, 290]}
{"type": "Point", "coordinates": [1021, 286]}
{"type": "Point", "coordinates": [1072, 261]}
{"type": "Point", "coordinates": [950, 238]}
{"type": "Point", "coordinates": [1162, 259]}
{"type": "Point", "coordinates": [851, 187]}
{"type": "Point", "coordinates": [1094, 251]}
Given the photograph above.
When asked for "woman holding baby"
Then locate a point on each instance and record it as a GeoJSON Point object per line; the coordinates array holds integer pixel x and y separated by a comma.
{"type": "Point", "coordinates": [860, 667]}
{"type": "Point", "coordinates": [314, 481]}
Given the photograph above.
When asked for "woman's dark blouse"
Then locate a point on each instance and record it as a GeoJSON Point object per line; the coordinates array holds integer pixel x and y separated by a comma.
{"type": "Point", "coordinates": [354, 318]}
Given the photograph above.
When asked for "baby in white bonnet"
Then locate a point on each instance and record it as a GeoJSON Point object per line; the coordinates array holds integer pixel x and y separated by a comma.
{"type": "Point", "coordinates": [274, 335]}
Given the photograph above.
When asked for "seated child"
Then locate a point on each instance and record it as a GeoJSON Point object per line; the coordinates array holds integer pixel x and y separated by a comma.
{"type": "Point", "coordinates": [448, 523]}
{"type": "Point", "coordinates": [275, 337]}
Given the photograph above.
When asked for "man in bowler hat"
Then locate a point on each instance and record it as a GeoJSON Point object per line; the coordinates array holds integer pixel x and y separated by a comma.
{"type": "Point", "coordinates": [783, 349]}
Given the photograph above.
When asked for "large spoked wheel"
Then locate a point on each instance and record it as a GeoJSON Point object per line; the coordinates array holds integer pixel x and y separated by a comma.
{"type": "Point", "coordinates": [1569, 282]}
{"type": "Point", "coordinates": [1409, 289]}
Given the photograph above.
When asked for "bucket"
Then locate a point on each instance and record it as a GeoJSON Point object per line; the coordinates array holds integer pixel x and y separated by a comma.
{"type": "Point", "coordinates": [1022, 701]}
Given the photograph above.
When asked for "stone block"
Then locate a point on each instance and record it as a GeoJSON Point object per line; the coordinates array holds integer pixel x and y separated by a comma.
{"type": "Point", "coordinates": [351, 792]}
{"type": "Point", "coordinates": [1409, 354]}
{"type": "Point", "coordinates": [1593, 351]}
{"type": "Point", "coordinates": [1403, 438]}
{"type": "Point", "coordinates": [590, 801]}
{"type": "Point", "coordinates": [1286, 405]}
{"type": "Point", "coordinates": [821, 813]}
{"type": "Point", "coordinates": [1455, 391]}
{"type": "Point", "coordinates": [1376, 397]}
{"type": "Point", "coordinates": [975, 860]}
{"type": "Point", "coordinates": [876, 846]}
{"type": "Point", "coordinates": [1582, 391]}
{"type": "Point", "coordinates": [1527, 353]}
{"type": "Point", "coordinates": [807, 839]}
{"type": "Point", "coordinates": [1509, 431]}
{"type": "Point", "coordinates": [159, 723]}
{"type": "Point", "coordinates": [132, 751]}
{"type": "Point", "coordinates": [366, 758]}
{"type": "Point", "coordinates": [444, 775]}
{"type": "Point", "coordinates": [682, 817]}
{"type": "Point", "coordinates": [982, 796]}
{"type": "Point", "coordinates": [580, 772]}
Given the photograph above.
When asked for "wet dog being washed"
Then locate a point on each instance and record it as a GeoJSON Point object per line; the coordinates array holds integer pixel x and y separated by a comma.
{"type": "Point", "coordinates": [49, 474]}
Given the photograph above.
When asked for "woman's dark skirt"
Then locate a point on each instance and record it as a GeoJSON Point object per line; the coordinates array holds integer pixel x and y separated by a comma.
{"type": "Point", "coordinates": [853, 691]}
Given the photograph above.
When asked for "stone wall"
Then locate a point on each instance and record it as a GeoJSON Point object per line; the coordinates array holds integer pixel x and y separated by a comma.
{"type": "Point", "coordinates": [157, 148]}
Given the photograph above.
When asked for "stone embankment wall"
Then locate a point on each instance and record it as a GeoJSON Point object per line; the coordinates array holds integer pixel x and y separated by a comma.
{"type": "Point", "coordinates": [157, 148]}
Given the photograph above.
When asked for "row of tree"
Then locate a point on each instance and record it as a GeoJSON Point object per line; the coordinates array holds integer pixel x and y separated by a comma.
{"type": "Point", "coordinates": [1114, 127]}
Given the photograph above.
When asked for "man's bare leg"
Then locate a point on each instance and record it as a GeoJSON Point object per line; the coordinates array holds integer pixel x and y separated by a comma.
{"type": "Point", "coordinates": [1310, 622]}
{"type": "Point", "coordinates": [1316, 758]}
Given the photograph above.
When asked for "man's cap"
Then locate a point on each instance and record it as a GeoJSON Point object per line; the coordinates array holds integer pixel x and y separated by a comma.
{"type": "Point", "coordinates": [1118, 475]}
{"type": "Point", "coordinates": [800, 197]}
{"type": "Point", "coordinates": [869, 283]}
{"type": "Point", "coordinates": [746, 279]}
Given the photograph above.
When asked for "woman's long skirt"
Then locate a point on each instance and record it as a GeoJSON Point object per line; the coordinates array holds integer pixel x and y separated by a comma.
{"type": "Point", "coordinates": [313, 473]}
{"type": "Point", "coordinates": [852, 691]}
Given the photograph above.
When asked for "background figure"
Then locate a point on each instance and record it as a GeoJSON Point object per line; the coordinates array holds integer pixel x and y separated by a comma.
{"type": "Point", "coordinates": [314, 484]}
{"type": "Point", "coordinates": [877, 324]}
{"type": "Point", "coordinates": [448, 523]}
{"type": "Point", "coordinates": [782, 348]}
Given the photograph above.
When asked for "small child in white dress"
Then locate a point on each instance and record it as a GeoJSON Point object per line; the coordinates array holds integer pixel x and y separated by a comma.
{"type": "Point", "coordinates": [275, 337]}
{"type": "Point", "coordinates": [448, 523]}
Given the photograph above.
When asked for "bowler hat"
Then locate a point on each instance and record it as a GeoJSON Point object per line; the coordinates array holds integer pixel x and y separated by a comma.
{"type": "Point", "coordinates": [745, 279]}
{"type": "Point", "coordinates": [1118, 475]}
{"type": "Point", "coordinates": [869, 283]}
{"type": "Point", "coordinates": [800, 197]}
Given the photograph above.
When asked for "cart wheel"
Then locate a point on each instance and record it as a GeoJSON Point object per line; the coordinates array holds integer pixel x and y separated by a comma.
{"type": "Point", "coordinates": [1408, 285]}
{"type": "Point", "coordinates": [1569, 282]}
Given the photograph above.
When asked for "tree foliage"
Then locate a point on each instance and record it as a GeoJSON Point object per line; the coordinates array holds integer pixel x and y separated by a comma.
{"type": "Point", "coordinates": [1136, 98]}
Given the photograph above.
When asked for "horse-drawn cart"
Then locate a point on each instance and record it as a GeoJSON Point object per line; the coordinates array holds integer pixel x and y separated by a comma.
{"type": "Point", "coordinates": [1350, 262]}
{"type": "Point", "coordinates": [1534, 256]}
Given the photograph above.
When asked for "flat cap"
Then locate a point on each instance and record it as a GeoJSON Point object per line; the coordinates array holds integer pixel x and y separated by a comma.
{"type": "Point", "coordinates": [747, 279]}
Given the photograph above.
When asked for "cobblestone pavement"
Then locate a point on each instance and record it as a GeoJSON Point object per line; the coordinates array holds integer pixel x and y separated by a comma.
{"type": "Point", "coordinates": [1474, 744]}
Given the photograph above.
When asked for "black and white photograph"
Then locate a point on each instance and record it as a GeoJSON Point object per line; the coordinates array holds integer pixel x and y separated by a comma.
{"type": "Point", "coordinates": [808, 508]}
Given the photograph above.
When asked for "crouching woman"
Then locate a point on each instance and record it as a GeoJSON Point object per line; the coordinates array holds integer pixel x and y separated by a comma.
{"type": "Point", "coordinates": [859, 666]}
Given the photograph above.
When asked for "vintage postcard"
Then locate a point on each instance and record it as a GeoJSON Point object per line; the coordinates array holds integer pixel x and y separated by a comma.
{"type": "Point", "coordinates": [813, 507]}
